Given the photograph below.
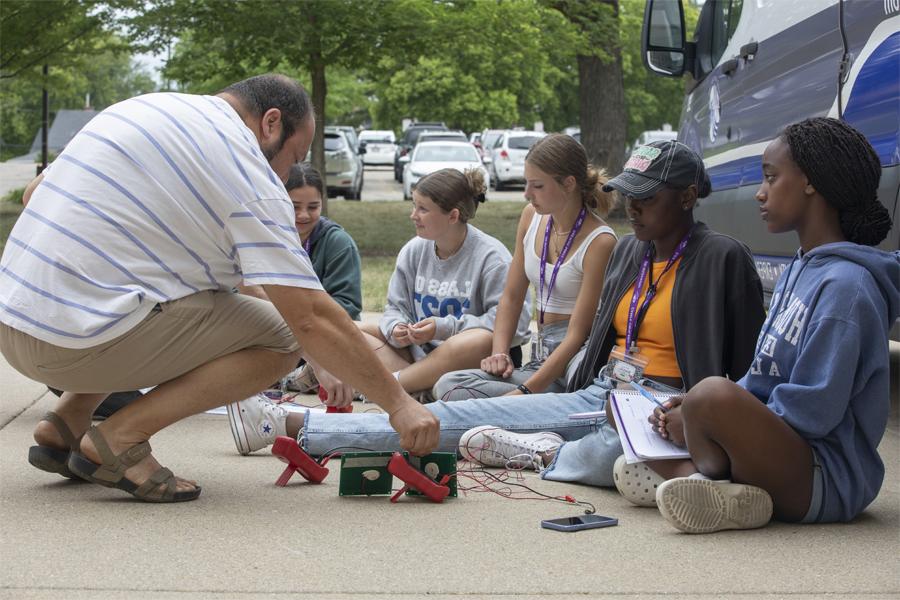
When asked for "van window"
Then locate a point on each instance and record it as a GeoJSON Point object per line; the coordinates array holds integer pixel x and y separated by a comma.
{"type": "Point", "coordinates": [334, 142]}
{"type": "Point", "coordinates": [522, 142]}
{"type": "Point", "coordinates": [716, 25]}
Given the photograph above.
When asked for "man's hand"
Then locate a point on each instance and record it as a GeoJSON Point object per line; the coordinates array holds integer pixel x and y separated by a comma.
{"type": "Point", "coordinates": [498, 364]}
{"type": "Point", "coordinates": [418, 428]}
{"type": "Point", "coordinates": [340, 394]}
{"type": "Point", "coordinates": [669, 424]}
{"type": "Point", "coordinates": [400, 333]}
{"type": "Point", "coordinates": [423, 331]}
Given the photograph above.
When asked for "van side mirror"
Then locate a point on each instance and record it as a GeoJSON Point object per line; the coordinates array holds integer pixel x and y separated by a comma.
{"type": "Point", "coordinates": [662, 39]}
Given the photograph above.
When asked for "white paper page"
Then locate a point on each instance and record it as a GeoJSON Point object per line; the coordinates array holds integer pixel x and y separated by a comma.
{"type": "Point", "coordinates": [632, 410]}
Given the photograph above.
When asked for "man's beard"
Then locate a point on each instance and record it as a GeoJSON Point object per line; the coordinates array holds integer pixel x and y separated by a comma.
{"type": "Point", "coordinates": [272, 151]}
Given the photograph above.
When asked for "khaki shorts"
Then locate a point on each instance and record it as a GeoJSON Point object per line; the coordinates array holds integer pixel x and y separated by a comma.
{"type": "Point", "coordinates": [176, 337]}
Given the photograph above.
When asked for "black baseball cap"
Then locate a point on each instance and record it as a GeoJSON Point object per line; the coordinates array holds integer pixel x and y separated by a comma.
{"type": "Point", "coordinates": [658, 164]}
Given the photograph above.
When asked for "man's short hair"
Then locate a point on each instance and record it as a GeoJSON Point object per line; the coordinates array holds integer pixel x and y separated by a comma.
{"type": "Point", "coordinates": [262, 92]}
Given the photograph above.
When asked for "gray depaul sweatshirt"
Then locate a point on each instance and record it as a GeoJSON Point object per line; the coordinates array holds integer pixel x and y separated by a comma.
{"type": "Point", "coordinates": [461, 292]}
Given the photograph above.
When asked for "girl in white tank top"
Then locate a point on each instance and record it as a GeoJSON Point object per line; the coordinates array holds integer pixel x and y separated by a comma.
{"type": "Point", "coordinates": [562, 234]}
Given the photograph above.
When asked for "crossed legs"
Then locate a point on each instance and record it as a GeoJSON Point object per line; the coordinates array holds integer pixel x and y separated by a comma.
{"type": "Point", "coordinates": [462, 351]}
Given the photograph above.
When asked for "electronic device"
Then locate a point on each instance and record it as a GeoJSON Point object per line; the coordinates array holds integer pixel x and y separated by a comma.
{"type": "Point", "coordinates": [288, 450]}
{"type": "Point", "coordinates": [372, 474]}
{"type": "Point", "coordinates": [580, 522]}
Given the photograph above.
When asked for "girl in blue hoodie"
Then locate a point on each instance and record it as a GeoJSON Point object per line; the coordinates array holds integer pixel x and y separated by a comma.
{"type": "Point", "coordinates": [797, 436]}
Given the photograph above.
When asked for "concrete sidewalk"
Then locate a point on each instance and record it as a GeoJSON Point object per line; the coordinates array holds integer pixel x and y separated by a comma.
{"type": "Point", "coordinates": [245, 538]}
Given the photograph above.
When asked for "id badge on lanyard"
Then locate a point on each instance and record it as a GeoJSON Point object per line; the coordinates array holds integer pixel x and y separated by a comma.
{"type": "Point", "coordinates": [627, 363]}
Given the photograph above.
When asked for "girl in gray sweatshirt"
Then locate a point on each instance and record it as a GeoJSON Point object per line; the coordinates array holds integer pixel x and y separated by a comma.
{"type": "Point", "coordinates": [443, 295]}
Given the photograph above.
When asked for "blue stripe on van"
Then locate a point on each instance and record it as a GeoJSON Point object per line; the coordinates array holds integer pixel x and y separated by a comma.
{"type": "Point", "coordinates": [736, 173]}
{"type": "Point", "coordinates": [874, 104]}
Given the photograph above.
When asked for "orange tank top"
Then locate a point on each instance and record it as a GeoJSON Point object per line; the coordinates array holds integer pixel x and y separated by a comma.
{"type": "Point", "coordinates": [655, 338]}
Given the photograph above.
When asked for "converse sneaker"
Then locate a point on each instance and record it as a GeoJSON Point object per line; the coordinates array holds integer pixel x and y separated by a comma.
{"type": "Point", "coordinates": [495, 447]}
{"type": "Point", "coordinates": [302, 380]}
{"type": "Point", "coordinates": [636, 482]}
{"type": "Point", "coordinates": [255, 423]}
{"type": "Point", "coordinates": [703, 506]}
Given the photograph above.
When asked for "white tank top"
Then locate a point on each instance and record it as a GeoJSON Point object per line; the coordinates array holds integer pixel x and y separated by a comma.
{"type": "Point", "coordinates": [571, 273]}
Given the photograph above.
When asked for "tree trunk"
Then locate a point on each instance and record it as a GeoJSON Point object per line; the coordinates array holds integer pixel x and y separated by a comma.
{"type": "Point", "coordinates": [602, 111]}
{"type": "Point", "coordinates": [319, 92]}
{"type": "Point", "coordinates": [601, 98]}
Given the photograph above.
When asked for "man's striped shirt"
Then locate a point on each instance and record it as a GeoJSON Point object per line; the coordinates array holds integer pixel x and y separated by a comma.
{"type": "Point", "coordinates": [158, 197]}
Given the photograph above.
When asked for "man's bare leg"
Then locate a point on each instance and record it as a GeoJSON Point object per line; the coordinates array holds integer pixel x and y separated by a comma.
{"type": "Point", "coordinates": [224, 380]}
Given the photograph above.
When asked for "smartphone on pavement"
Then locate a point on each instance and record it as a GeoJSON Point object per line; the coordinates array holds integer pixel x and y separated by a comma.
{"type": "Point", "coordinates": [580, 522]}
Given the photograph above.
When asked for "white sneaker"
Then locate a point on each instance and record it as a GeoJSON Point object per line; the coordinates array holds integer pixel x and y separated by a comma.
{"type": "Point", "coordinates": [495, 447]}
{"type": "Point", "coordinates": [704, 506]}
{"type": "Point", "coordinates": [636, 482]}
{"type": "Point", "coordinates": [255, 423]}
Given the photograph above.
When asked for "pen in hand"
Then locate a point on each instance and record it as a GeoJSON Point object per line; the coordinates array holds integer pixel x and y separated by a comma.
{"type": "Point", "coordinates": [649, 396]}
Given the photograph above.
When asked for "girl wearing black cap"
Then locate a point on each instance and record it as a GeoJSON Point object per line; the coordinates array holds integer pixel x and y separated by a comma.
{"type": "Point", "coordinates": [797, 436]}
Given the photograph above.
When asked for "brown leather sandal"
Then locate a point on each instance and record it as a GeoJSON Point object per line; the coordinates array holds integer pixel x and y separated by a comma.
{"type": "Point", "coordinates": [159, 487]}
{"type": "Point", "coordinates": [54, 460]}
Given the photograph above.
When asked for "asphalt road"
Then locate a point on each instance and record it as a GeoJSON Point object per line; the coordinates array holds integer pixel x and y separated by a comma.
{"type": "Point", "coordinates": [379, 185]}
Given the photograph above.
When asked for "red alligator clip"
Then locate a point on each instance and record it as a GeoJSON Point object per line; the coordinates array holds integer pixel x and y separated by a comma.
{"type": "Point", "coordinates": [288, 450]}
{"type": "Point", "coordinates": [413, 478]}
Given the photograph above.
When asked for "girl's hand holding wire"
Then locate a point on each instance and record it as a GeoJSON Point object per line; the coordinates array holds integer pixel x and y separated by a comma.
{"type": "Point", "coordinates": [423, 331]}
{"type": "Point", "coordinates": [400, 333]}
{"type": "Point", "coordinates": [498, 364]}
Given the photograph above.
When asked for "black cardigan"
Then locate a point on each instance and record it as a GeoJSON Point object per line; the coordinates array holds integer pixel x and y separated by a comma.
{"type": "Point", "coordinates": [717, 308]}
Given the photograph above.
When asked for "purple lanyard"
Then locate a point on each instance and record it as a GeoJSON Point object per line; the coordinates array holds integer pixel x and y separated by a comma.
{"type": "Point", "coordinates": [307, 245]}
{"type": "Point", "coordinates": [559, 260]}
{"type": "Point", "coordinates": [634, 320]}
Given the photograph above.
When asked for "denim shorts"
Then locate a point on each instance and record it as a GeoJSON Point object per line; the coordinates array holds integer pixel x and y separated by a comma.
{"type": "Point", "coordinates": [814, 514]}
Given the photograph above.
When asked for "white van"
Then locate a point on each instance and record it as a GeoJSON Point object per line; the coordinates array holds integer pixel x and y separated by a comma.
{"type": "Point", "coordinates": [756, 66]}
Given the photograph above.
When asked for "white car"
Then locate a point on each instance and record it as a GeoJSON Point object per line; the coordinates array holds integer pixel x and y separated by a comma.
{"type": "Point", "coordinates": [428, 157]}
{"type": "Point", "coordinates": [380, 145]}
{"type": "Point", "coordinates": [508, 156]}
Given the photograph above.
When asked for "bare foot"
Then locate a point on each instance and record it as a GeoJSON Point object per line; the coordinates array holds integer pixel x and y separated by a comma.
{"type": "Point", "coordinates": [140, 472]}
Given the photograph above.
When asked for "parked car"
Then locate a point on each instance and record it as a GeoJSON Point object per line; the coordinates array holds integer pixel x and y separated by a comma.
{"type": "Point", "coordinates": [350, 132]}
{"type": "Point", "coordinates": [343, 166]}
{"type": "Point", "coordinates": [655, 135]}
{"type": "Point", "coordinates": [380, 146]}
{"type": "Point", "coordinates": [409, 139]}
{"type": "Point", "coordinates": [441, 136]}
{"type": "Point", "coordinates": [428, 157]}
{"type": "Point", "coordinates": [508, 156]}
{"type": "Point", "coordinates": [489, 137]}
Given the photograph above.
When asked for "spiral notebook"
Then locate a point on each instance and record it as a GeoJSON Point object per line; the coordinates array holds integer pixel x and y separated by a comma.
{"type": "Point", "coordinates": [639, 441]}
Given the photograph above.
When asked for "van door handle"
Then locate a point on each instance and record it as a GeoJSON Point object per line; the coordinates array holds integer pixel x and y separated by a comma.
{"type": "Point", "coordinates": [748, 51]}
{"type": "Point", "coordinates": [729, 66]}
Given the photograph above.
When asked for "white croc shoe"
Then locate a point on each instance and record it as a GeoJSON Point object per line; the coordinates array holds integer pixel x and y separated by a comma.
{"type": "Point", "coordinates": [636, 482]}
{"type": "Point", "coordinates": [704, 506]}
{"type": "Point", "coordinates": [495, 447]}
{"type": "Point", "coordinates": [255, 423]}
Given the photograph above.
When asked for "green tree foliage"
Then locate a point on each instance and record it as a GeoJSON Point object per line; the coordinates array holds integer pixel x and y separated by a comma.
{"type": "Point", "coordinates": [55, 32]}
{"type": "Point", "coordinates": [101, 74]}
{"type": "Point", "coordinates": [651, 100]}
{"type": "Point", "coordinates": [476, 64]}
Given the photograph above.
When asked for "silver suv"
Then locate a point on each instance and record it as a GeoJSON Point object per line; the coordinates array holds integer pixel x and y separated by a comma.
{"type": "Point", "coordinates": [508, 156]}
{"type": "Point", "coordinates": [343, 166]}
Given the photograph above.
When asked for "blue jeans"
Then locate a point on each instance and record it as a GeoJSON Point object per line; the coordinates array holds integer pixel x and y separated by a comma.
{"type": "Point", "coordinates": [587, 457]}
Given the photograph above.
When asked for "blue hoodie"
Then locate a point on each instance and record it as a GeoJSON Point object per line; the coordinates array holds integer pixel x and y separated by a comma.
{"type": "Point", "coordinates": [822, 364]}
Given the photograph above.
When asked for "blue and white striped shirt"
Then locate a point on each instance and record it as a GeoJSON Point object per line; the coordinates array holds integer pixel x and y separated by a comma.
{"type": "Point", "coordinates": [158, 197]}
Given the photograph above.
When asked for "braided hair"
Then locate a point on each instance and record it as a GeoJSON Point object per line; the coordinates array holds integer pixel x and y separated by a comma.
{"type": "Point", "coordinates": [843, 167]}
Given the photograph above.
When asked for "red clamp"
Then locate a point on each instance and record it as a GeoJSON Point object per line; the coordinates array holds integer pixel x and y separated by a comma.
{"type": "Point", "coordinates": [288, 450]}
{"type": "Point", "coordinates": [413, 478]}
{"type": "Point", "coordinates": [323, 396]}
